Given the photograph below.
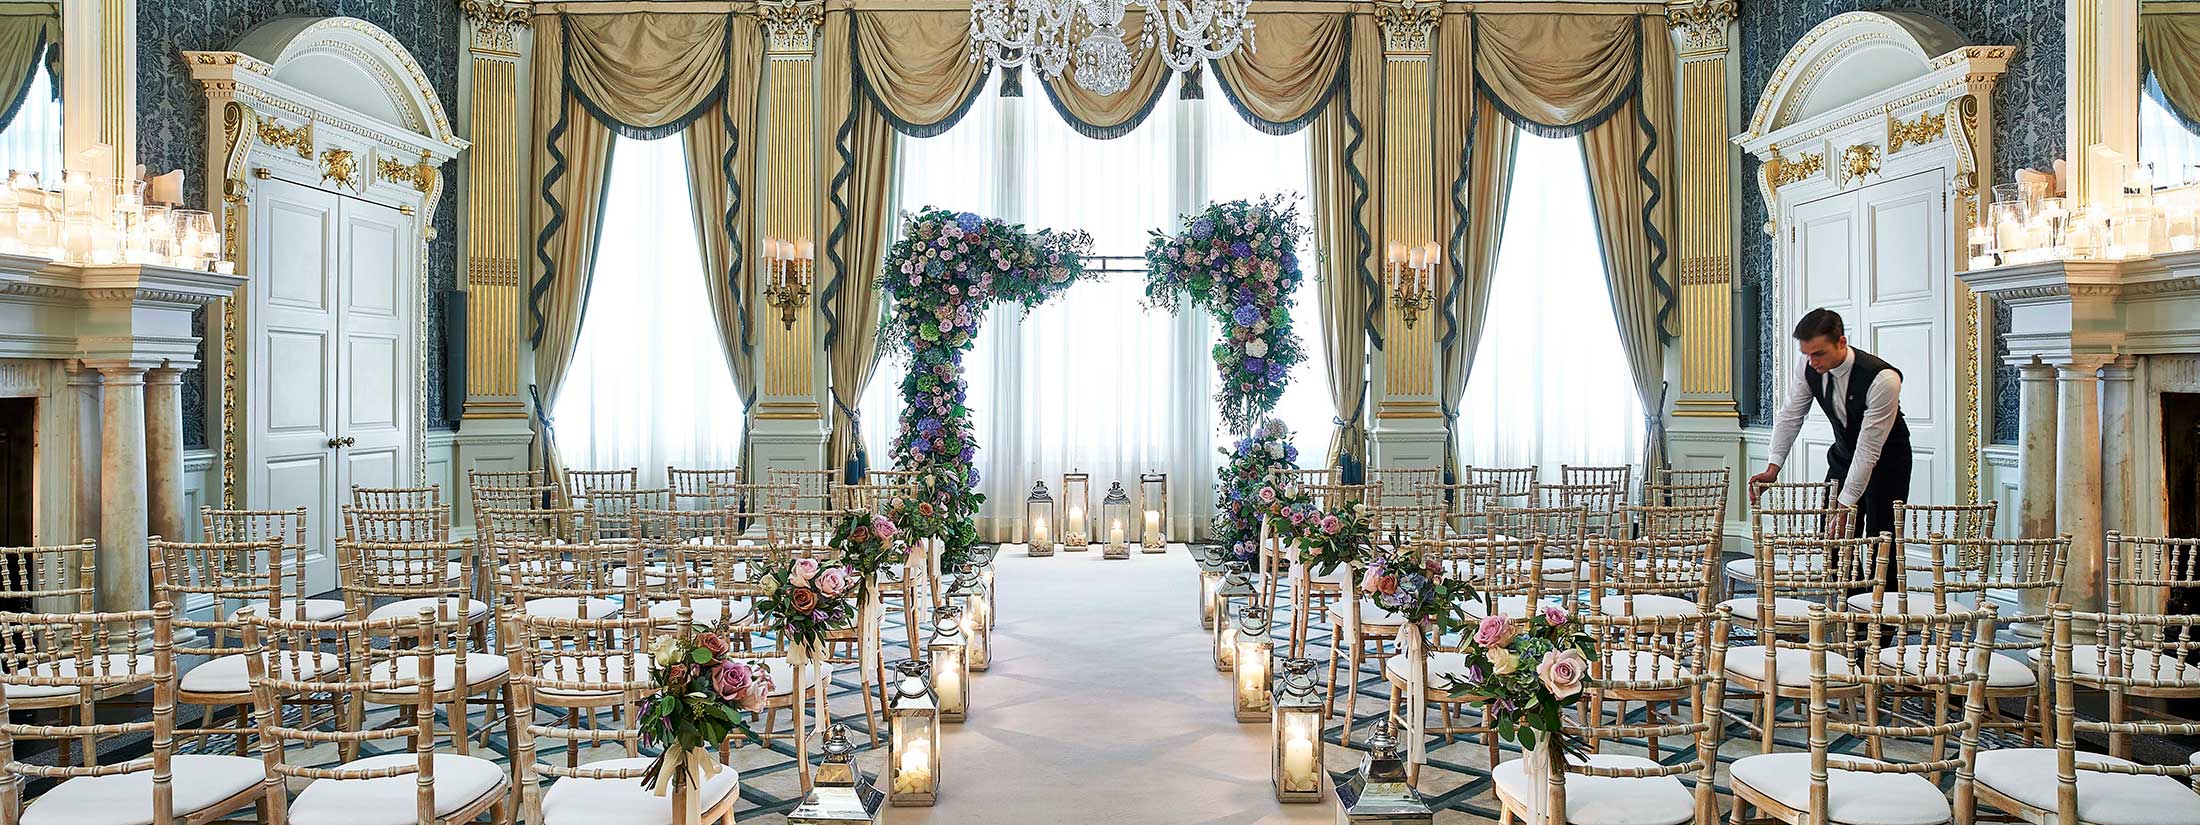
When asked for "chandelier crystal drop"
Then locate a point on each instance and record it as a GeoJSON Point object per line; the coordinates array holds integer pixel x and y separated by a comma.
{"type": "Point", "coordinates": [1049, 35]}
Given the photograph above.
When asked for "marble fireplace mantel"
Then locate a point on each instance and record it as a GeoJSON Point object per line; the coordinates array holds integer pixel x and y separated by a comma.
{"type": "Point", "coordinates": [103, 349]}
{"type": "Point", "coordinates": [2093, 341]}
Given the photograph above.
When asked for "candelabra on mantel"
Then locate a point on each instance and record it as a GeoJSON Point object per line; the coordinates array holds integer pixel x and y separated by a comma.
{"type": "Point", "coordinates": [1412, 272]}
{"type": "Point", "coordinates": [788, 266]}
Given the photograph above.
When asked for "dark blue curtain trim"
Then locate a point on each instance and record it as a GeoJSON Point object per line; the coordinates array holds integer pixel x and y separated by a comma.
{"type": "Point", "coordinates": [1012, 81]}
{"type": "Point", "coordinates": [1462, 216]}
{"type": "Point", "coordinates": [1359, 204]}
{"type": "Point", "coordinates": [836, 196]}
{"type": "Point", "coordinates": [678, 124]}
{"type": "Point", "coordinates": [1097, 132]}
{"type": "Point", "coordinates": [550, 178]}
{"type": "Point", "coordinates": [1285, 127]}
{"type": "Point", "coordinates": [23, 90]}
{"type": "Point", "coordinates": [1649, 178]}
{"type": "Point", "coordinates": [2154, 90]}
{"type": "Point", "coordinates": [736, 253]}
{"type": "Point", "coordinates": [912, 129]}
{"type": "Point", "coordinates": [1189, 85]}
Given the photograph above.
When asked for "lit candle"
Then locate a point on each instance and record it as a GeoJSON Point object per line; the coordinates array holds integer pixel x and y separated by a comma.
{"type": "Point", "coordinates": [949, 689]}
{"type": "Point", "coordinates": [1153, 524]}
{"type": "Point", "coordinates": [1115, 531]}
{"type": "Point", "coordinates": [916, 762]}
{"type": "Point", "coordinates": [1229, 641]}
{"type": "Point", "coordinates": [1298, 757]}
{"type": "Point", "coordinates": [1252, 673]}
{"type": "Point", "coordinates": [1076, 525]}
{"type": "Point", "coordinates": [1040, 535]}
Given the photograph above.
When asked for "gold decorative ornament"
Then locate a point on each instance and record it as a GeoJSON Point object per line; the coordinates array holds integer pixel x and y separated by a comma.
{"type": "Point", "coordinates": [496, 24]}
{"type": "Point", "coordinates": [1783, 172]}
{"type": "Point", "coordinates": [1927, 128]}
{"type": "Point", "coordinates": [1858, 162]}
{"type": "Point", "coordinates": [421, 176]}
{"type": "Point", "coordinates": [340, 166]}
{"type": "Point", "coordinates": [790, 26]}
{"type": "Point", "coordinates": [295, 138]}
{"type": "Point", "coordinates": [1702, 24]}
{"type": "Point", "coordinates": [1408, 25]}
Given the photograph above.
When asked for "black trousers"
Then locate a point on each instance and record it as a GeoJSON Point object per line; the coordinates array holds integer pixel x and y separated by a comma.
{"type": "Point", "coordinates": [1890, 483]}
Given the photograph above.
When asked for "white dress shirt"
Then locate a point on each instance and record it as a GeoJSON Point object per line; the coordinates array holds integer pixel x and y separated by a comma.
{"type": "Point", "coordinates": [1881, 403]}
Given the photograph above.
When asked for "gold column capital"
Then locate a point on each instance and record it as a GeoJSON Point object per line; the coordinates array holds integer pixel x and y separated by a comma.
{"type": "Point", "coordinates": [1408, 25]}
{"type": "Point", "coordinates": [790, 26]}
{"type": "Point", "coordinates": [1701, 24]}
{"type": "Point", "coordinates": [496, 23]}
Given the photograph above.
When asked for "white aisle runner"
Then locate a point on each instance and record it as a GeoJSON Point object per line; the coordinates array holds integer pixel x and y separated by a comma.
{"type": "Point", "coordinates": [1103, 706]}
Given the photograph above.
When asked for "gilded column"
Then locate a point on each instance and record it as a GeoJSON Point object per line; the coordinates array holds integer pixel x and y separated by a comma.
{"type": "Point", "coordinates": [789, 207]}
{"type": "Point", "coordinates": [496, 211]}
{"type": "Point", "coordinates": [1703, 223]}
{"type": "Point", "coordinates": [1409, 422]}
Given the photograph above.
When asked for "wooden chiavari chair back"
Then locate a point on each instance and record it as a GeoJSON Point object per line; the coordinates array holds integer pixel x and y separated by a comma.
{"type": "Point", "coordinates": [1795, 575]}
{"type": "Point", "coordinates": [533, 497]}
{"type": "Point", "coordinates": [753, 501]}
{"type": "Point", "coordinates": [813, 488]}
{"type": "Point", "coordinates": [66, 659]}
{"type": "Point", "coordinates": [489, 486]}
{"type": "Point", "coordinates": [870, 497]}
{"type": "Point", "coordinates": [810, 530]}
{"type": "Point", "coordinates": [572, 580]}
{"type": "Point", "coordinates": [1335, 496]}
{"type": "Point", "coordinates": [497, 527]}
{"type": "Point", "coordinates": [1601, 503]}
{"type": "Point", "coordinates": [1405, 486]}
{"type": "Point", "coordinates": [1619, 477]}
{"type": "Point", "coordinates": [1563, 531]}
{"type": "Point", "coordinates": [255, 525]}
{"type": "Point", "coordinates": [385, 579]}
{"type": "Point", "coordinates": [1964, 571]}
{"type": "Point", "coordinates": [1505, 571]}
{"type": "Point", "coordinates": [691, 488]}
{"type": "Point", "coordinates": [397, 524]}
{"type": "Point", "coordinates": [617, 514]}
{"type": "Point", "coordinates": [1515, 485]}
{"type": "Point", "coordinates": [2145, 572]}
{"type": "Point", "coordinates": [58, 578]}
{"type": "Point", "coordinates": [1466, 507]}
{"type": "Point", "coordinates": [1400, 525]}
{"type": "Point", "coordinates": [398, 498]}
{"type": "Point", "coordinates": [1664, 521]}
{"type": "Point", "coordinates": [1685, 495]}
{"type": "Point", "coordinates": [580, 483]}
{"type": "Point", "coordinates": [1915, 524]}
{"type": "Point", "coordinates": [1774, 496]}
{"type": "Point", "coordinates": [1653, 576]}
{"type": "Point", "coordinates": [226, 573]}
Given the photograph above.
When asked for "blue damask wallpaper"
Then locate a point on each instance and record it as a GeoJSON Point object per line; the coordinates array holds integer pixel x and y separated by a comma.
{"type": "Point", "coordinates": [2028, 132]}
{"type": "Point", "coordinates": [172, 123]}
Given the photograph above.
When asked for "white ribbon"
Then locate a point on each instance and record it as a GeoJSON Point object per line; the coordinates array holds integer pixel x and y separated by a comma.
{"type": "Point", "coordinates": [933, 548]}
{"type": "Point", "coordinates": [1409, 640]}
{"type": "Point", "coordinates": [867, 622]}
{"type": "Point", "coordinates": [1539, 780]}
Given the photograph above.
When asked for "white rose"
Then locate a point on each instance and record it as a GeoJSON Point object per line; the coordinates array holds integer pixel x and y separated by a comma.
{"type": "Point", "coordinates": [1256, 348]}
{"type": "Point", "coordinates": [1275, 450]}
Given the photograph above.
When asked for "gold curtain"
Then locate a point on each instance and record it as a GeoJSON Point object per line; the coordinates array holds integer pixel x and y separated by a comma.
{"type": "Point", "coordinates": [1105, 117]}
{"type": "Point", "coordinates": [1558, 71]}
{"type": "Point", "coordinates": [720, 178]}
{"type": "Point", "coordinates": [1279, 87]}
{"type": "Point", "coordinates": [915, 67]}
{"type": "Point", "coordinates": [26, 30]}
{"type": "Point", "coordinates": [575, 156]}
{"type": "Point", "coordinates": [1629, 161]}
{"type": "Point", "coordinates": [649, 72]}
{"type": "Point", "coordinates": [1344, 166]}
{"type": "Point", "coordinates": [1473, 207]}
{"type": "Point", "coordinates": [859, 202]}
{"type": "Point", "coordinates": [2170, 45]}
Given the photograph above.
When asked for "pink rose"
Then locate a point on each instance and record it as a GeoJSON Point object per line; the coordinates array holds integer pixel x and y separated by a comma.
{"type": "Point", "coordinates": [833, 582]}
{"type": "Point", "coordinates": [884, 528]}
{"type": "Point", "coordinates": [1331, 525]}
{"type": "Point", "coordinates": [1494, 631]}
{"type": "Point", "coordinates": [803, 600]}
{"type": "Point", "coordinates": [1384, 583]}
{"type": "Point", "coordinates": [717, 644]}
{"type": "Point", "coordinates": [1554, 614]}
{"type": "Point", "coordinates": [1298, 517]}
{"type": "Point", "coordinates": [730, 679]}
{"type": "Point", "coordinates": [760, 689]}
{"type": "Point", "coordinates": [1267, 495]}
{"type": "Point", "coordinates": [1562, 672]}
{"type": "Point", "coordinates": [803, 570]}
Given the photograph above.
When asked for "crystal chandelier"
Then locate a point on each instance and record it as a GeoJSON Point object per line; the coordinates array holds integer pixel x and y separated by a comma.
{"type": "Point", "coordinates": [1049, 35]}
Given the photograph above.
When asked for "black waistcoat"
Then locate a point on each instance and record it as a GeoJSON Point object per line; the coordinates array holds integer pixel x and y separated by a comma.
{"type": "Point", "coordinates": [1861, 374]}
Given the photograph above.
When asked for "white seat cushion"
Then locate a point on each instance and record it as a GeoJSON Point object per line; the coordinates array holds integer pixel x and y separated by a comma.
{"type": "Point", "coordinates": [1897, 604]}
{"type": "Point", "coordinates": [1370, 615]}
{"type": "Point", "coordinates": [311, 610]}
{"type": "Point", "coordinates": [783, 674]}
{"type": "Point", "coordinates": [569, 607]}
{"type": "Point", "coordinates": [1607, 800]}
{"type": "Point", "coordinates": [228, 674]}
{"type": "Point", "coordinates": [114, 664]}
{"type": "Point", "coordinates": [593, 668]}
{"type": "Point", "coordinates": [2027, 775]}
{"type": "Point", "coordinates": [583, 801]}
{"type": "Point", "coordinates": [410, 608]}
{"type": "Point", "coordinates": [1641, 666]}
{"type": "Point", "coordinates": [1745, 609]}
{"type": "Point", "coordinates": [1440, 665]}
{"type": "Point", "coordinates": [2001, 671]}
{"type": "Point", "coordinates": [1745, 569]}
{"type": "Point", "coordinates": [2088, 660]}
{"type": "Point", "coordinates": [460, 781]}
{"type": "Point", "coordinates": [656, 575]}
{"type": "Point", "coordinates": [1647, 604]}
{"type": "Point", "coordinates": [1512, 606]}
{"type": "Point", "coordinates": [1852, 797]}
{"type": "Point", "coordinates": [480, 669]}
{"type": "Point", "coordinates": [1793, 665]}
{"type": "Point", "coordinates": [707, 611]}
{"type": "Point", "coordinates": [197, 782]}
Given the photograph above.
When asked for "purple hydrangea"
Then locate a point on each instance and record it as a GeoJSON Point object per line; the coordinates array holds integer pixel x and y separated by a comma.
{"type": "Point", "coordinates": [969, 221]}
{"type": "Point", "coordinates": [1241, 249]}
{"type": "Point", "coordinates": [1245, 315]}
{"type": "Point", "coordinates": [1256, 366]}
{"type": "Point", "coordinates": [1203, 229]}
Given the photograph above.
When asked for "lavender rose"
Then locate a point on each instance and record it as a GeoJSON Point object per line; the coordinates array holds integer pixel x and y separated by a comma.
{"type": "Point", "coordinates": [1561, 672]}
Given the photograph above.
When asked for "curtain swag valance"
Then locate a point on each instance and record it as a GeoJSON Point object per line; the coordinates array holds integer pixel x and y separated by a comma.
{"type": "Point", "coordinates": [647, 75]}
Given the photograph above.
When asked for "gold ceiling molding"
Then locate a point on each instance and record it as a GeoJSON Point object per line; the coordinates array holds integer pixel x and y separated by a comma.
{"type": "Point", "coordinates": [1782, 171]}
{"type": "Point", "coordinates": [1702, 24]}
{"type": "Point", "coordinates": [1927, 128]}
{"type": "Point", "coordinates": [1407, 25]}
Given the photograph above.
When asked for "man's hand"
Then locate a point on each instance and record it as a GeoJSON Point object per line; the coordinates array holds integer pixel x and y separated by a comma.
{"type": "Point", "coordinates": [1770, 475]}
{"type": "Point", "coordinates": [1837, 525]}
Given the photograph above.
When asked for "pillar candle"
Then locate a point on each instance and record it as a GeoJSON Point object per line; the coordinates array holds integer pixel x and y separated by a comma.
{"type": "Point", "coordinates": [1153, 524]}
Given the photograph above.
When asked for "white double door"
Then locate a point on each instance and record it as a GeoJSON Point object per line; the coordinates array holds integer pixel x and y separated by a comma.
{"type": "Point", "coordinates": [1880, 255]}
{"type": "Point", "coordinates": [330, 359]}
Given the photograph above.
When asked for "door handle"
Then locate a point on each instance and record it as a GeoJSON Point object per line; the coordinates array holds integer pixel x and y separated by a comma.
{"type": "Point", "coordinates": [335, 442]}
{"type": "Point", "coordinates": [350, 441]}
{"type": "Point", "coordinates": [342, 441]}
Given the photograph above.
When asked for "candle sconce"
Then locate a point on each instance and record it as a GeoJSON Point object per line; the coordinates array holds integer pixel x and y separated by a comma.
{"type": "Point", "coordinates": [1412, 273]}
{"type": "Point", "coordinates": [788, 267]}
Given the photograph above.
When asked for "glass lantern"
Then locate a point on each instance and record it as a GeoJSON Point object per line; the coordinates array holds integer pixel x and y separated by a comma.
{"type": "Point", "coordinates": [1235, 585]}
{"type": "Point", "coordinates": [1210, 582]}
{"type": "Point", "coordinates": [912, 766]}
{"type": "Point", "coordinates": [949, 650]}
{"type": "Point", "coordinates": [1153, 512]}
{"type": "Point", "coordinates": [981, 560]}
{"type": "Point", "coordinates": [1251, 698]}
{"type": "Point", "coordinates": [1039, 521]}
{"type": "Point", "coordinates": [1076, 523]}
{"type": "Point", "coordinates": [1295, 723]}
{"type": "Point", "coordinates": [968, 593]}
{"type": "Point", "coordinates": [840, 794]}
{"type": "Point", "coordinates": [1115, 518]}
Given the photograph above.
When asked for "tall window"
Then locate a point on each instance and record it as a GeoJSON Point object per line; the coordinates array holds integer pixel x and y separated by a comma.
{"type": "Point", "coordinates": [2165, 142]}
{"type": "Point", "coordinates": [32, 141]}
{"type": "Point", "coordinates": [1092, 381]}
{"type": "Point", "coordinates": [1550, 384]}
{"type": "Point", "coordinates": [649, 385]}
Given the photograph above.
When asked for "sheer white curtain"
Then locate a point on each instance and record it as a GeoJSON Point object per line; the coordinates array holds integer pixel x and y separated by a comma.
{"type": "Point", "coordinates": [1550, 384]}
{"type": "Point", "coordinates": [32, 141]}
{"type": "Point", "coordinates": [649, 384]}
{"type": "Point", "coordinates": [2165, 144]}
{"type": "Point", "coordinates": [1092, 381]}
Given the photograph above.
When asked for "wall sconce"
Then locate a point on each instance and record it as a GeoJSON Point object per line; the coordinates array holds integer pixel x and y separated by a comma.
{"type": "Point", "coordinates": [1412, 278]}
{"type": "Point", "coordinates": [787, 268]}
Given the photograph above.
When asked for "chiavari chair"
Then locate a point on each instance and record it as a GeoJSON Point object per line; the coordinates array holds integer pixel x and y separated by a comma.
{"type": "Point", "coordinates": [288, 526]}
{"type": "Point", "coordinates": [1287, 476]}
{"type": "Point", "coordinates": [1964, 571]}
{"type": "Point", "coordinates": [1669, 658]}
{"type": "Point", "coordinates": [60, 581]}
{"type": "Point", "coordinates": [225, 573]}
{"type": "Point", "coordinates": [409, 577]}
{"type": "Point", "coordinates": [617, 514]}
{"type": "Point", "coordinates": [900, 478]}
{"type": "Point", "coordinates": [580, 483]}
{"type": "Point", "coordinates": [1915, 524]}
{"type": "Point", "coordinates": [1405, 486]}
{"type": "Point", "coordinates": [53, 578]}
{"type": "Point", "coordinates": [1768, 521]}
{"type": "Point", "coordinates": [752, 501]}
{"type": "Point", "coordinates": [1310, 590]}
{"type": "Point", "coordinates": [872, 497]}
{"type": "Point", "coordinates": [1655, 576]}
{"type": "Point", "coordinates": [1671, 475]}
{"type": "Point", "coordinates": [398, 498]}
{"type": "Point", "coordinates": [813, 488]}
{"type": "Point", "coordinates": [691, 488]}
{"type": "Point", "coordinates": [2151, 656]}
{"type": "Point", "coordinates": [810, 530]}
{"type": "Point", "coordinates": [437, 787]}
{"type": "Point", "coordinates": [1819, 785]}
{"type": "Point", "coordinates": [1620, 477]}
{"type": "Point", "coordinates": [1672, 521]}
{"type": "Point", "coordinates": [1515, 485]}
{"type": "Point", "coordinates": [1601, 502]}
{"type": "Point", "coordinates": [1768, 500]}
{"type": "Point", "coordinates": [497, 530]}
{"type": "Point", "coordinates": [534, 497]}
{"type": "Point", "coordinates": [576, 581]}
{"type": "Point", "coordinates": [557, 659]}
{"type": "Point", "coordinates": [1503, 571]}
{"type": "Point", "coordinates": [1563, 530]}
{"type": "Point", "coordinates": [1685, 495]}
{"type": "Point", "coordinates": [712, 581]}
{"type": "Point", "coordinates": [488, 486]}
{"type": "Point", "coordinates": [397, 524]}
{"type": "Point", "coordinates": [44, 654]}
{"type": "Point", "coordinates": [2144, 572]}
{"type": "Point", "coordinates": [1795, 575]}
{"type": "Point", "coordinates": [2063, 784]}
{"type": "Point", "coordinates": [1467, 506]}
